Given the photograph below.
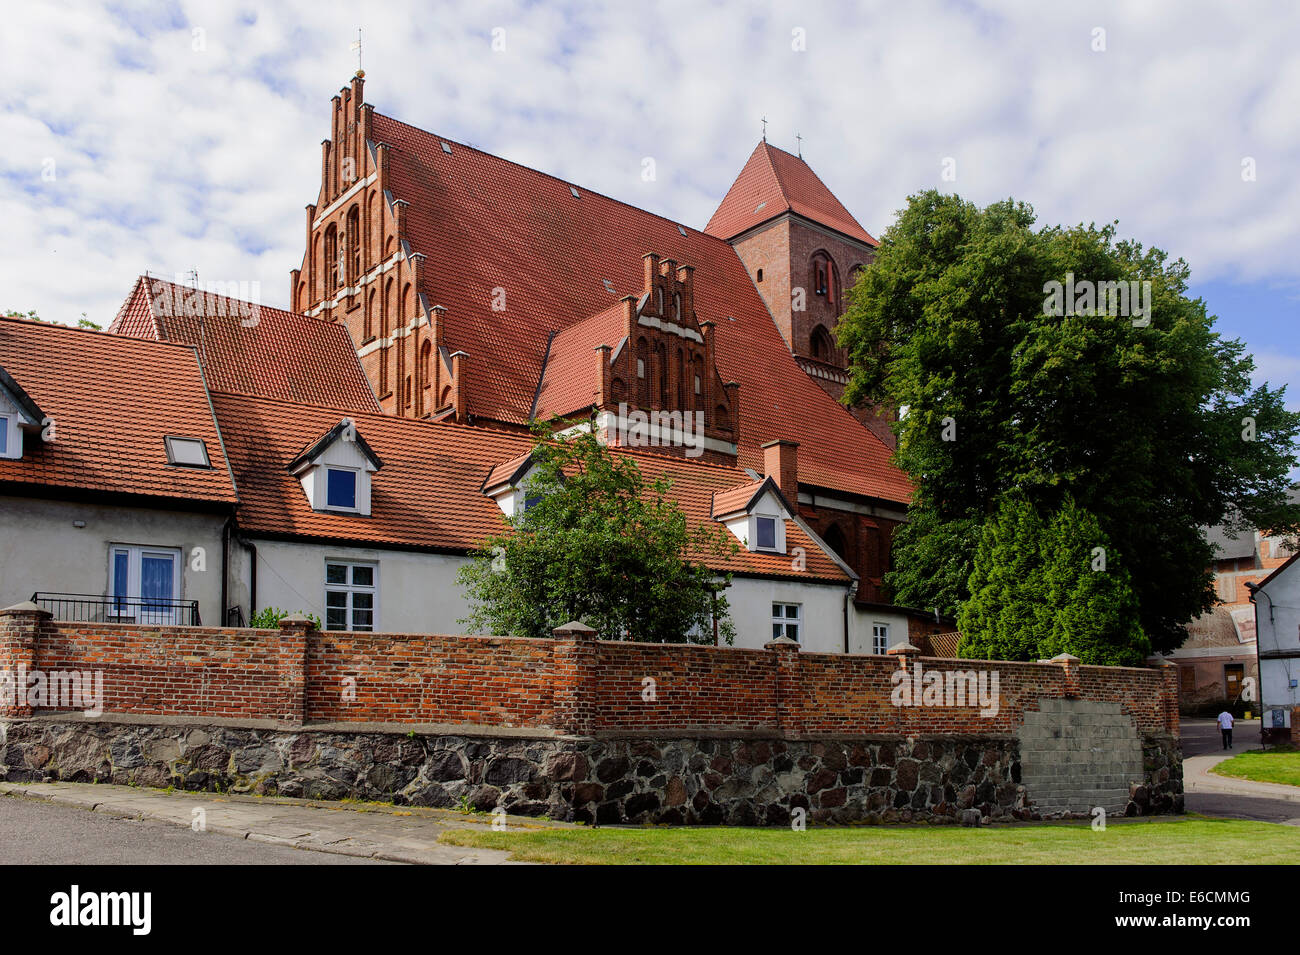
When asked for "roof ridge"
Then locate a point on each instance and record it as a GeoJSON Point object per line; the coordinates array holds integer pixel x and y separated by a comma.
{"type": "Point", "coordinates": [776, 174]}
{"type": "Point", "coordinates": [107, 335]}
{"type": "Point", "coordinates": [548, 175]}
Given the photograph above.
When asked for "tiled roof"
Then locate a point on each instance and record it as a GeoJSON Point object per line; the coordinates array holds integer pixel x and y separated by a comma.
{"type": "Point", "coordinates": [251, 349]}
{"type": "Point", "coordinates": [773, 182]}
{"type": "Point", "coordinates": [429, 493]}
{"type": "Point", "coordinates": [736, 499]}
{"type": "Point", "coordinates": [486, 223]}
{"type": "Point", "coordinates": [569, 379]}
{"type": "Point", "coordinates": [113, 400]}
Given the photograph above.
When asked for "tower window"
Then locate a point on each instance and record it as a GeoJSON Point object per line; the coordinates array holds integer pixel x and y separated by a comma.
{"type": "Point", "coordinates": [760, 275]}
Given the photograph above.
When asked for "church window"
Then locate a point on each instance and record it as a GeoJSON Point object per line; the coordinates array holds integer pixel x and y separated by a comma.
{"type": "Point", "coordinates": [760, 275]}
{"type": "Point", "coordinates": [677, 306]}
{"type": "Point", "coordinates": [354, 244]}
{"type": "Point", "coordinates": [331, 259]}
{"type": "Point", "coordinates": [820, 344]}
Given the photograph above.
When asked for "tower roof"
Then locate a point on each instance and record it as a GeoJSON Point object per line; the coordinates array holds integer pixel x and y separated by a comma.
{"type": "Point", "coordinates": [774, 182]}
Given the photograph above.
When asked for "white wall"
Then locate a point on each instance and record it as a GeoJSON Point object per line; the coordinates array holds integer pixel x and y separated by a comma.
{"type": "Point", "coordinates": [862, 621]}
{"type": "Point", "coordinates": [822, 621]}
{"type": "Point", "coordinates": [41, 549]}
{"type": "Point", "coordinates": [417, 592]}
{"type": "Point", "coordinates": [1277, 610]}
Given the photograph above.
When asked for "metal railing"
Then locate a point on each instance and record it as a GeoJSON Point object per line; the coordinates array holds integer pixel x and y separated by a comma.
{"type": "Point", "coordinates": [96, 608]}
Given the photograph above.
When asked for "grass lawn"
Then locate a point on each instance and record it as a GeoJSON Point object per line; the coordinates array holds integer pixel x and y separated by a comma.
{"type": "Point", "coordinates": [1274, 766]}
{"type": "Point", "coordinates": [1170, 840]}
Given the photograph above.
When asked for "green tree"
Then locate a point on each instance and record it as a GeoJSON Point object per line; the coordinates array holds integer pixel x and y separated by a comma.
{"type": "Point", "coordinates": [1151, 425]}
{"type": "Point", "coordinates": [599, 544]}
{"type": "Point", "coordinates": [1005, 616]}
{"type": "Point", "coordinates": [1089, 594]}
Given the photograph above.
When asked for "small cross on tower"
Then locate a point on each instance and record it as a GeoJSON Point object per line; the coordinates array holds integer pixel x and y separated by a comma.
{"type": "Point", "coordinates": [799, 139]}
{"type": "Point", "coordinates": [356, 45]}
{"type": "Point", "coordinates": [764, 121]}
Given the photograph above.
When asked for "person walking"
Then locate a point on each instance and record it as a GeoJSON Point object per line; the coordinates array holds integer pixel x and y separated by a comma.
{"type": "Point", "coordinates": [1225, 726]}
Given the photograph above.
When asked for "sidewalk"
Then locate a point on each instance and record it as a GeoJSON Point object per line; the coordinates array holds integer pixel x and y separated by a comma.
{"type": "Point", "coordinates": [1197, 777]}
{"type": "Point", "coordinates": [366, 830]}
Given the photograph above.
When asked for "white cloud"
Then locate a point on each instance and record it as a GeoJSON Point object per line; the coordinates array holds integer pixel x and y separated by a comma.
{"type": "Point", "coordinates": [170, 158]}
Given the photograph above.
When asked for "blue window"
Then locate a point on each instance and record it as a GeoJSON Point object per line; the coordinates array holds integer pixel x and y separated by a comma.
{"type": "Point", "coordinates": [341, 488]}
{"type": "Point", "coordinates": [767, 533]}
{"type": "Point", "coordinates": [4, 435]}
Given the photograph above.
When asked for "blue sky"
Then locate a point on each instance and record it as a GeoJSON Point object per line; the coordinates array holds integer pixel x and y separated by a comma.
{"type": "Point", "coordinates": [177, 136]}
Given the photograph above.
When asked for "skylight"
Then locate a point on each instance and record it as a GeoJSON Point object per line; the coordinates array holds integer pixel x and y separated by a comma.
{"type": "Point", "coordinates": [759, 207]}
{"type": "Point", "coordinates": [187, 452]}
{"type": "Point", "coordinates": [609, 286]}
{"type": "Point", "coordinates": [575, 192]}
{"type": "Point", "coordinates": [446, 147]}
{"type": "Point", "coordinates": [681, 230]}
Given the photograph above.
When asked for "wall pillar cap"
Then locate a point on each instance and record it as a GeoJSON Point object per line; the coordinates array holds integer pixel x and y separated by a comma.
{"type": "Point", "coordinates": [296, 621]}
{"type": "Point", "coordinates": [782, 643]}
{"type": "Point", "coordinates": [903, 648]}
{"type": "Point", "coordinates": [574, 629]}
{"type": "Point", "coordinates": [1064, 658]}
{"type": "Point", "coordinates": [26, 607]}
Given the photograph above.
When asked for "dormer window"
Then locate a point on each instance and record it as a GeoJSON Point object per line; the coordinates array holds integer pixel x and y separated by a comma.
{"type": "Point", "coordinates": [4, 436]}
{"type": "Point", "coordinates": [187, 452]}
{"type": "Point", "coordinates": [335, 472]}
{"type": "Point", "coordinates": [755, 514]}
{"type": "Point", "coordinates": [507, 484]}
{"type": "Point", "coordinates": [18, 413]}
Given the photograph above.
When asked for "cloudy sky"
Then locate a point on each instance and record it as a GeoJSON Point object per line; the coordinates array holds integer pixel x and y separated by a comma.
{"type": "Point", "coordinates": [178, 136]}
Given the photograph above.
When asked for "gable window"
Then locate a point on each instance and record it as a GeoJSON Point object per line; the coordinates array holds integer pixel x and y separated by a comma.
{"type": "Point", "coordinates": [880, 638]}
{"type": "Point", "coordinates": [350, 590]}
{"type": "Point", "coordinates": [145, 583]}
{"type": "Point", "coordinates": [341, 488]}
{"type": "Point", "coordinates": [187, 452]}
{"type": "Point", "coordinates": [785, 620]}
{"type": "Point", "coordinates": [765, 533]}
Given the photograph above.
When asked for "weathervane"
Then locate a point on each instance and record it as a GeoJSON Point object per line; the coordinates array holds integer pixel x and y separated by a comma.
{"type": "Point", "coordinates": [356, 45]}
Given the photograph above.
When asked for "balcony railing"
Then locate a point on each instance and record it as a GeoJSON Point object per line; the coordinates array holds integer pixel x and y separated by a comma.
{"type": "Point", "coordinates": [94, 608]}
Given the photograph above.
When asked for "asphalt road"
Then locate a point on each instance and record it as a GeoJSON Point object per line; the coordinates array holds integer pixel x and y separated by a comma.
{"type": "Point", "coordinates": [39, 833]}
{"type": "Point", "coordinates": [1202, 738]}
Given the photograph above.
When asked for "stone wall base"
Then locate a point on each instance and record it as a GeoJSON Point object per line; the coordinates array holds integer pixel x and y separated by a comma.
{"type": "Point", "coordinates": [733, 781]}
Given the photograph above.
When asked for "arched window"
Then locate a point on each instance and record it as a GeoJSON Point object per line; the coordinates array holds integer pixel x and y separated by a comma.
{"type": "Point", "coordinates": [820, 344]}
{"type": "Point", "coordinates": [834, 538]}
{"type": "Point", "coordinates": [354, 245]}
{"type": "Point", "coordinates": [390, 307]}
{"type": "Point", "coordinates": [760, 275]}
{"type": "Point", "coordinates": [677, 306]}
{"type": "Point", "coordinates": [642, 372]}
{"type": "Point", "coordinates": [426, 364]}
{"type": "Point", "coordinates": [661, 362]}
{"type": "Point", "coordinates": [659, 302]}
{"type": "Point", "coordinates": [368, 324]}
{"type": "Point", "coordinates": [825, 279]}
{"type": "Point", "coordinates": [331, 260]}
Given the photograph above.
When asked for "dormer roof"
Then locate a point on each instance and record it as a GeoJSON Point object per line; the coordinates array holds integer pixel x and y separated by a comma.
{"type": "Point", "coordinates": [346, 429]}
{"type": "Point", "coordinates": [33, 416]}
{"type": "Point", "coordinates": [741, 499]}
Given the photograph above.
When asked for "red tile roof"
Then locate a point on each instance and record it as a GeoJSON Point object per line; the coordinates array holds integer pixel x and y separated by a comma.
{"type": "Point", "coordinates": [569, 378]}
{"type": "Point", "coordinates": [773, 182]}
{"type": "Point", "coordinates": [248, 348]}
{"type": "Point", "coordinates": [113, 400]}
{"type": "Point", "coordinates": [486, 223]}
{"type": "Point", "coordinates": [429, 493]}
{"type": "Point", "coordinates": [735, 499]}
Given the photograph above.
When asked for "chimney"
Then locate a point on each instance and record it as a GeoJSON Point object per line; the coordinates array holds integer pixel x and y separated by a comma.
{"type": "Point", "coordinates": [604, 383]}
{"type": "Point", "coordinates": [459, 390]}
{"type": "Point", "coordinates": [781, 464]}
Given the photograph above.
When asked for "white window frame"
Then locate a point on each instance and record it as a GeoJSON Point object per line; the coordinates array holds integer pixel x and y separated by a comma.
{"type": "Point", "coordinates": [779, 525]}
{"type": "Point", "coordinates": [135, 610]}
{"type": "Point", "coordinates": [879, 638]}
{"type": "Point", "coordinates": [356, 488]}
{"type": "Point", "coordinates": [351, 589]}
{"type": "Point", "coordinates": [785, 621]}
{"type": "Point", "coordinates": [6, 452]}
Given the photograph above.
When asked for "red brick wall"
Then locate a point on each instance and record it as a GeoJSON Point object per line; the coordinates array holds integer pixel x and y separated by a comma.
{"type": "Point", "coordinates": [571, 685]}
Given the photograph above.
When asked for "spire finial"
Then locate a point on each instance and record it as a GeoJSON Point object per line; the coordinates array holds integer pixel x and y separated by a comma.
{"type": "Point", "coordinates": [356, 45]}
{"type": "Point", "coordinates": [764, 129]}
{"type": "Point", "coordinates": [799, 139]}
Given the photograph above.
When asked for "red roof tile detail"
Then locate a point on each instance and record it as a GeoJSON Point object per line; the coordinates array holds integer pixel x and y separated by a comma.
{"type": "Point", "coordinates": [569, 380]}
{"type": "Point", "coordinates": [486, 223]}
{"type": "Point", "coordinates": [773, 182]}
{"type": "Point", "coordinates": [113, 400]}
{"type": "Point", "coordinates": [736, 499]}
{"type": "Point", "coordinates": [251, 349]}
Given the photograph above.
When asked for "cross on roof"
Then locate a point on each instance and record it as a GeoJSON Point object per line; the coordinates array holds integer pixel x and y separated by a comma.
{"type": "Point", "coordinates": [764, 129]}
{"type": "Point", "coordinates": [800, 146]}
{"type": "Point", "coordinates": [356, 45]}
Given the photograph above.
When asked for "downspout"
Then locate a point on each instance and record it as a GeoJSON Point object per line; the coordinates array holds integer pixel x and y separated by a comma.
{"type": "Point", "coordinates": [225, 569]}
{"type": "Point", "coordinates": [849, 591]}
